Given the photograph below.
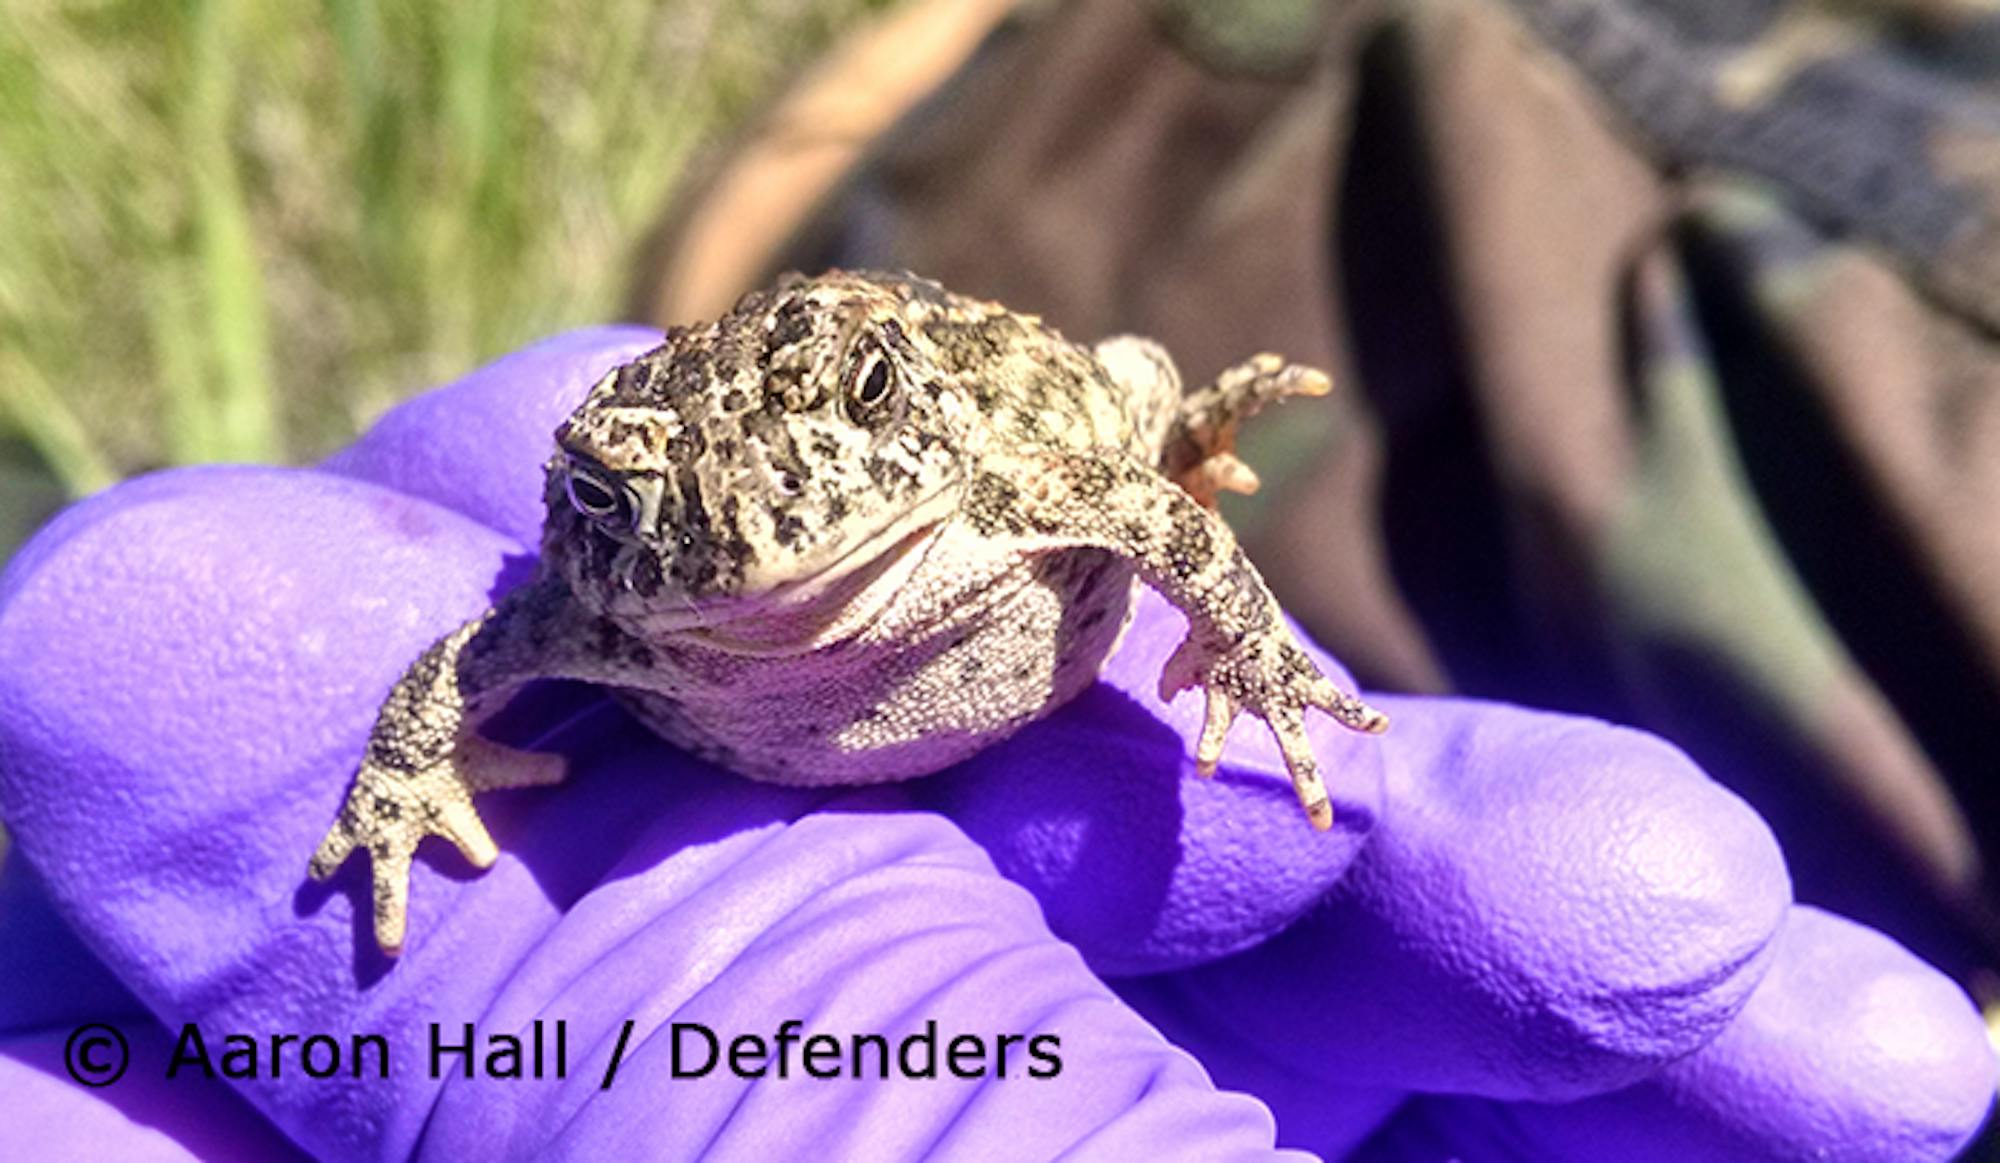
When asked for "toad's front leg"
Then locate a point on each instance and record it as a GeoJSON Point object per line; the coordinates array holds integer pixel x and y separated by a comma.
{"type": "Point", "coordinates": [1238, 648]}
{"type": "Point", "coordinates": [423, 762]}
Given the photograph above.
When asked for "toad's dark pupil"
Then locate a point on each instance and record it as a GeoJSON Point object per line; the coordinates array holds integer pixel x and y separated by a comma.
{"type": "Point", "coordinates": [876, 384]}
{"type": "Point", "coordinates": [592, 498]}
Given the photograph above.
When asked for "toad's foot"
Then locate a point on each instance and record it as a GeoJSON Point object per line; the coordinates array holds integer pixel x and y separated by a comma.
{"type": "Point", "coordinates": [1238, 645]}
{"type": "Point", "coordinates": [1272, 678]}
{"type": "Point", "coordinates": [1201, 451]}
{"type": "Point", "coordinates": [391, 808]}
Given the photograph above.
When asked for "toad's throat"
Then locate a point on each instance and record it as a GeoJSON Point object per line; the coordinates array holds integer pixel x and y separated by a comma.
{"type": "Point", "coordinates": [835, 602]}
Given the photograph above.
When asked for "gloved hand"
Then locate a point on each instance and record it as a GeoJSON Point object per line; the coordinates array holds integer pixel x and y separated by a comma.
{"type": "Point", "coordinates": [1559, 940]}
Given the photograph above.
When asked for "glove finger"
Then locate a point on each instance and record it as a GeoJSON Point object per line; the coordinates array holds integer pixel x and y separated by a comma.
{"type": "Point", "coordinates": [1552, 907]}
{"type": "Point", "coordinates": [849, 924]}
{"type": "Point", "coordinates": [1851, 1049]}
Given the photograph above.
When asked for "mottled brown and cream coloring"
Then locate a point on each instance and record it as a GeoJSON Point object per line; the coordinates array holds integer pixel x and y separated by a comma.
{"type": "Point", "coordinates": [852, 532]}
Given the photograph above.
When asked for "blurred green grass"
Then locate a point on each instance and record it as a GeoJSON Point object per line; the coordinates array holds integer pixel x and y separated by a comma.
{"type": "Point", "coordinates": [239, 231]}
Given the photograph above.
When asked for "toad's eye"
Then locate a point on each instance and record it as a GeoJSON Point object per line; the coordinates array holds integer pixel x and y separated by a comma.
{"type": "Point", "coordinates": [597, 497]}
{"type": "Point", "coordinates": [872, 387]}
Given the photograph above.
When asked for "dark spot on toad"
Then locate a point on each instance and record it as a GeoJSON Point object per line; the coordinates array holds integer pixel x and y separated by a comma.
{"type": "Point", "coordinates": [790, 325]}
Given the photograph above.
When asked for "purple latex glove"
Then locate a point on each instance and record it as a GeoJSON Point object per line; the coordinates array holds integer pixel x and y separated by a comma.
{"type": "Point", "coordinates": [1559, 935]}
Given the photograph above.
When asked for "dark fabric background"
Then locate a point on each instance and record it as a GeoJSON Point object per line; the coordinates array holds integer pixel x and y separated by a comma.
{"type": "Point", "coordinates": [1665, 336]}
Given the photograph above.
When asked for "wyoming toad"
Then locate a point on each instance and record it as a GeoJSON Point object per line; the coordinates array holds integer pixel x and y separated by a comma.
{"type": "Point", "coordinates": [852, 532]}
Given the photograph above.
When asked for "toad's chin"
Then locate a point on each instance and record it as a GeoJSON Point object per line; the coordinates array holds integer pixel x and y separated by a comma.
{"type": "Point", "coordinates": [824, 605]}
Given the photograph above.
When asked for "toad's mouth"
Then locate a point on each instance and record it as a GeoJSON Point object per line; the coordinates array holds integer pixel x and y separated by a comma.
{"type": "Point", "coordinates": [833, 602]}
